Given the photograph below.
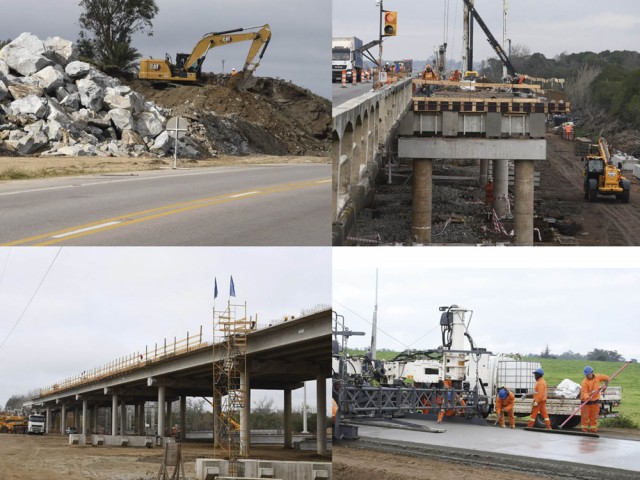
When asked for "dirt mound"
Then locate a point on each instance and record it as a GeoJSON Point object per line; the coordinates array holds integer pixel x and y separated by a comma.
{"type": "Point", "coordinates": [272, 116]}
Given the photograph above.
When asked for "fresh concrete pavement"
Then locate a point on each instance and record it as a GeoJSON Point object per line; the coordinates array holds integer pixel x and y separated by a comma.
{"type": "Point", "coordinates": [272, 204]}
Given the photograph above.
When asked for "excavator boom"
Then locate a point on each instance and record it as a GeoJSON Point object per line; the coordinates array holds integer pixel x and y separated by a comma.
{"type": "Point", "coordinates": [188, 67]}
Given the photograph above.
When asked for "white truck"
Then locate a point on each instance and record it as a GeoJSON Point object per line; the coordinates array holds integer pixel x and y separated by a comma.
{"type": "Point", "coordinates": [36, 424]}
{"type": "Point", "coordinates": [346, 57]}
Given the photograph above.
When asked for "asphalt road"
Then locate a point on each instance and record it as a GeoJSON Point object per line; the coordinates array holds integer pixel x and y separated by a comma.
{"type": "Point", "coordinates": [244, 205]}
{"type": "Point", "coordinates": [341, 95]}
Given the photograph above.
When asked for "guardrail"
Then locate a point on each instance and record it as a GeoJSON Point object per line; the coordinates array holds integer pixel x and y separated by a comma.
{"type": "Point", "coordinates": [361, 129]}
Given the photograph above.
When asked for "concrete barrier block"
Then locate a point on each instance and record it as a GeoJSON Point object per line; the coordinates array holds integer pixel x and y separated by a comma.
{"type": "Point", "coordinates": [320, 474]}
{"type": "Point", "coordinates": [211, 473]}
{"type": "Point", "coordinates": [265, 472]}
{"type": "Point", "coordinates": [124, 442]}
{"type": "Point", "coordinates": [98, 440]}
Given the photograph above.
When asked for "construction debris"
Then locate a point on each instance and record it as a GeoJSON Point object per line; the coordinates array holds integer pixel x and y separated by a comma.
{"type": "Point", "coordinates": [52, 104]}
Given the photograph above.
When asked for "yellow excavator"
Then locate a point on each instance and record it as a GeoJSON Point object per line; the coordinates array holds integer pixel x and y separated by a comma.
{"type": "Point", "coordinates": [188, 67]}
{"type": "Point", "coordinates": [601, 176]}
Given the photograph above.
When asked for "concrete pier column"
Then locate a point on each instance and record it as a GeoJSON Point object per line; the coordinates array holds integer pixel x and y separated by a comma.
{"type": "Point", "coordinates": [85, 412]}
{"type": "Point", "coordinates": [523, 199]}
{"type": "Point", "coordinates": [142, 429]}
{"type": "Point", "coordinates": [245, 424]}
{"type": "Point", "coordinates": [288, 437]}
{"type": "Point", "coordinates": [123, 417]}
{"type": "Point", "coordinates": [114, 414]}
{"type": "Point", "coordinates": [422, 193]}
{"type": "Point", "coordinates": [321, 414]}
{"type": "Point", "coordinates": [76, 418]}
{"type": "Point", "coordinates": [63, 419]}
{"type": "Point", "coordinates": [94, 421]}
{"type": "Point", "coordinates": [484, 173]}
{"type": "Point", "coordinates": [217, 410]}
{"type": "Point", "coordinates": [161, 406]}
{"type": "Point", "coordinates": [47, 421]}
{"type": "Point", "coordinates": [183, 418]}
{"type": "Point", "coordinates": [169, 420]}
{"type": "Point", "coordinates": [500, 187]}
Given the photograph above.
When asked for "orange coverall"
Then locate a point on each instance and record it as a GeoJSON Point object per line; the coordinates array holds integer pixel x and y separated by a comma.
{"type": "Point", "coordinates": [506, 405]}
{"type": "Point", "coordinates": [540, 398]}
{"type": "Point", "coordinates": [589, 413]}
{"type": "Point", "coordinates": [453, 400]}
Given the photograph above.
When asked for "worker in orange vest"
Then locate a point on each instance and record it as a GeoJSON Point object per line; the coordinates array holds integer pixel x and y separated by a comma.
{"type": "Point", "coordinates": [448, 401]}
{"type": "Point", "coordinates": [504, 404]}
{"type": "Point", "coordinates": [591, 392]}
{"type": "Point", "coordinates": [455, 76]}
{"type": "Point", "coordinates": [568, 131]}
{"type": "Point", "coordinates": [429, 74]}
{"type": "Point", "coordinates": [540, 400]}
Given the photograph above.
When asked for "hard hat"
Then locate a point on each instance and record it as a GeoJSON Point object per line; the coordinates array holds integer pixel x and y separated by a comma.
{"type": "Point", "coordinates": [539, 371]}
{"type": "Point", "coordinates": [233, 69]}
{"type": "Point", "coordinates": [588, 370]}
{"type": "Point", "coordinates": [503, 394]}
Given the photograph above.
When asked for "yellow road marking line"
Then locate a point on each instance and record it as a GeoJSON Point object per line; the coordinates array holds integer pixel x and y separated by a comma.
{"type": "Point", "coordinates": [51, 238]}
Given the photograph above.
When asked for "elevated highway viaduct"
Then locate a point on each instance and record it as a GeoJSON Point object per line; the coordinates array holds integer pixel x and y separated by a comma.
{"type": "Point", "coordinates": [494, 126]}
{"type": "Point", "coordinates": [279, 357]}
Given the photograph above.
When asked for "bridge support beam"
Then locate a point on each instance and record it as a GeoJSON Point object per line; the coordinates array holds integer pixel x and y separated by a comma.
{"type": "Point", "coordinates": [161, 410]}
{"type": "Point", "coordinates": [63, 419]}
{"type": "Point", "coordinates": [48, 420]}
{"type": "Point", "coordinates": [141, 423]}
{"type": "Point", "coordinates": [321, 415]}
{"type": "Point", "coordinates": [245, 412]}
{"type": "Point", "coordinates": [183, 418]}
{"type": "Point", "coordinates": [501, 187]}
{"type": "Point", "coordinates": [523, 193]}
{"type": "Point", "coordinates": [85, 412]}
{"type": "Point", "coordinates": [484, 173]}
{"type": "Point", "coordinates": [123, 416]}
{"type": "Point", "coordinates": [114, 414]}
{"type": "Point", "coordinates": [288, 437]}
{"type": "Point", "coordinates": [422, 200]}
{"type": "Point", "coordinates": [168, 417]}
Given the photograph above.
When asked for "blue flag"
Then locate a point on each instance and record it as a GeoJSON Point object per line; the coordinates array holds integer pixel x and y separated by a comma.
{"type": "Point", "coordinates": [232, 288]}
{"type": "Point", "coordinates": [215, 288]}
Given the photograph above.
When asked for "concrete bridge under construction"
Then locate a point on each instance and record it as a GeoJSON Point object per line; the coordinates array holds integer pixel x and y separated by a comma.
{"type": "Point", "coordinates": [492, 126]}
{"type": "Point", "coordinates": [279, 357]}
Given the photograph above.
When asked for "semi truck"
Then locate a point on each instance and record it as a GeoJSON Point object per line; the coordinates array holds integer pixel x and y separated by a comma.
{"type": "Point", "coordinates": [422, 378]}
{"type": "Point", "coordinates": [346, 56]}
{"type": "Point", "coordinates": [36, 424]}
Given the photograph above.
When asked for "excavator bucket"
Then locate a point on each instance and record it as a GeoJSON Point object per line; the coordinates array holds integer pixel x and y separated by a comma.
{"type": "Point", "coordinates": [242, 81]}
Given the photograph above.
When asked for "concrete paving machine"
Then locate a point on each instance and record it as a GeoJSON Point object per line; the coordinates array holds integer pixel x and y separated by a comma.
{"type": "Point", "coordinates": [188, 67]}
{"type": "Point", "coordinates": [601, 176]}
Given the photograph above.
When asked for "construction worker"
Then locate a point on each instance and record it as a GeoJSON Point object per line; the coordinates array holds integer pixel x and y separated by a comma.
{"type": "Point", "coordinates": [233, 72]}
{"type": "Point", "coordinates": [590, 393]}
{"type": "Point", "coordinates": [488, 198]}
{"type": "Point", "coordinates": [455, 76]}
{"type": "Point", "coordinates": [504, 404]}
{"type": "Point", "coordinates": [540, 400]}
{"type": "Point", "coordinates": [448, 401]}
{"type": "Point", "coordinates": [429, 74]}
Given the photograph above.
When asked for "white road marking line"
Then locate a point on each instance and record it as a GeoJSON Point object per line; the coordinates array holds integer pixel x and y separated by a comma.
{"type": "Point", "coordinates": [324, 181]}
{"type": "Point", "coordinates": [88, 229]}
{"type": "Point", "coordinates": [37, 190]}
{"type": "Point", "coordinates": [243, 194]}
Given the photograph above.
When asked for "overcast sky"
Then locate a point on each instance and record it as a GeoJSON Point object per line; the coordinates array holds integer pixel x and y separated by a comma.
{"type": "Point", "coordinates": [546, 26]}
{"type": "Point", "coordinates": [522, 299]}
{"type": "Point", "coordinates": [300, 48]}
{"type": "Point", "coordinates": [98, 304]}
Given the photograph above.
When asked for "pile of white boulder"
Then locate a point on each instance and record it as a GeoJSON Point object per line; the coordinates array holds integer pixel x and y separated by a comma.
{"type": "Point", "coordinates": [55, 105]}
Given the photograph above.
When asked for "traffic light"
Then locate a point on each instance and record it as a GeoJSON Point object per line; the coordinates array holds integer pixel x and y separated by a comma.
{"type": "Point", "coordinates": [390, 24]}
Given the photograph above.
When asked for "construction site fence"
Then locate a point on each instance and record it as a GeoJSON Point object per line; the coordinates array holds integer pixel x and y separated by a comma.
{"type": "Point", "coordinates": [131, 362]}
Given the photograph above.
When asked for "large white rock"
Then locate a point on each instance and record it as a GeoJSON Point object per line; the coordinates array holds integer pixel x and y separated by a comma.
{"type": "Point", "coordinates": [32, 142]}
{"type": "Point", "coordinates": [130, 137]}
{"type": "Point", "coordinates": [60, 50]}
{"type": "Point", "coordinates": [71, 101]}
{"type": "Point", "coordinates": [150, 124]}
{"type": "Point", "coordinates": [121, 118]}
{"type": "Point", "coordinates": [4, 68]}
{"type": "Point", "coordinates": [114, 99]}
{"type": "Point", "coordinates": [91, 94]}
{"type": "Point", "coordinates": [77, 69]}
{"type": "Point", "coordinates": [57, 114]}
{"type": "Point", "coordinates": [163, 143]}
{"type": "Point", "coordinates": [4, 91]}
{"type": "Point", "coordinates": [54, 130]}
{"type": "Point", "coordinates": [30, 105]}
{"type": "Point", "coordinates": [79, 150]}
{"type": "Point", "coordinates": [102, 78]}
{"type": "Point", "coordinates": [25, 54]}
{"type": "Point", "coordinates": [49, 79]}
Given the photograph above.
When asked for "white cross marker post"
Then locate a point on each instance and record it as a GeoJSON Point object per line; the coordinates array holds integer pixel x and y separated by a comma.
{"type": "Point", "coordinates": [176, 128]}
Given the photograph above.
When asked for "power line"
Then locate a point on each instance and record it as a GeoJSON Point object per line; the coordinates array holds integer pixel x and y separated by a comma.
{"type": "Point", "coordinates": [31, 299]}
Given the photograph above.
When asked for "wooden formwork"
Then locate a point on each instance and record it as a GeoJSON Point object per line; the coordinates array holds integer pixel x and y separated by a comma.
{"type": "Point", "coordinates": [487, 105]}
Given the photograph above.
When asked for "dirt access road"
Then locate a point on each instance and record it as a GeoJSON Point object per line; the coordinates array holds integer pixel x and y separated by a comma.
{"type": "Point", "coordinates": [26, 457]}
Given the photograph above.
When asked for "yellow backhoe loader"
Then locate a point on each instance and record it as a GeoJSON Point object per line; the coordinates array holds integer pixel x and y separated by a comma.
{"type": "Point", "coordinates": [601, 176]}
{"type": "Point", "coordinates": [188, 67]}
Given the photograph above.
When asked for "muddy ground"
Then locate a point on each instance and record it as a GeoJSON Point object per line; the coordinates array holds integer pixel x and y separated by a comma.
{"type": "Point", "coordinates": [27, 457]}
{"type": "Point", "coordinates": [458, 206]}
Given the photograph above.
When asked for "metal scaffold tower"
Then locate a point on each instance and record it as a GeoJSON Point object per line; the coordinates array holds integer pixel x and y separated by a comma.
{"type": "Point", "coordinates": [230, 389]}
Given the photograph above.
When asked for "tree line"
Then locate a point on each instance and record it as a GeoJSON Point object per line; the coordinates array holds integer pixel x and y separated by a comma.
{"type": "Point", "coordinates": [597, 354]}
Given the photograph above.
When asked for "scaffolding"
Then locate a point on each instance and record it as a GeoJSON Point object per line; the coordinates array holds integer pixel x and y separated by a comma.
{"type": "Point", "coordinates": [230, 389]}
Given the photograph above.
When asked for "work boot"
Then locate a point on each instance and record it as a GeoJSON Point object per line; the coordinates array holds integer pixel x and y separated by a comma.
{"type": "Point", "coordinates": [513, 427]}
{"type": "Point", "coordinates": [530, 424]}
{"type": "Point", "coordinates": [502, 425]}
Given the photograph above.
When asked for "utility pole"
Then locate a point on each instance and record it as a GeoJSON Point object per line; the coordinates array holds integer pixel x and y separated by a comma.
{"type": "Point", "coordinates": [374, 324]}
{"type": "Point", "coordinates": [376, 83]}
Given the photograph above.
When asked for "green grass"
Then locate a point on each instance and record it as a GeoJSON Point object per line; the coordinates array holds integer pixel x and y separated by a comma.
{"type": "Point", "coordinates": [557, 370]}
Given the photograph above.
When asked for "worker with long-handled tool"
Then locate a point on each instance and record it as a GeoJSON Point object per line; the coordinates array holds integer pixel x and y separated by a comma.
{"type": "Point", "coordinates": [540, 400]}
{"type": "Point", "coordinates": [590, 396]}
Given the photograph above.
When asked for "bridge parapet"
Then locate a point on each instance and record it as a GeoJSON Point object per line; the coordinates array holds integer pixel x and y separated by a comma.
{"type": "Point", "coordinates": [361, 131]}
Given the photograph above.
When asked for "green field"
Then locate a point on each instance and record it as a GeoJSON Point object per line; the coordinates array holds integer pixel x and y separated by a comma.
{"type": "Point", "coordinates": [557, 370]}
